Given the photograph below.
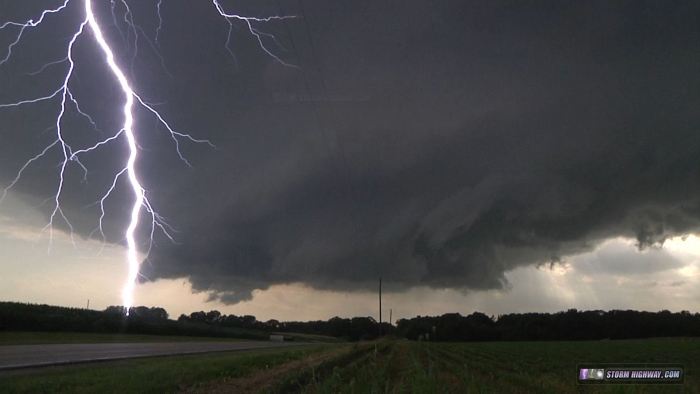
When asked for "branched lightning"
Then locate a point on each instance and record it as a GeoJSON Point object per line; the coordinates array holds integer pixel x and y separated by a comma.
{"type": "Point", "coordinates": [250, 23]}
{"type": "Point", "coordinates": [27, 25]}
{"type": "Point", "coordinates": [127, 132]}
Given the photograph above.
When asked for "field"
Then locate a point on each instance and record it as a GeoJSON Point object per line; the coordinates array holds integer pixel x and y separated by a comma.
{"type": "Point", "coordinates": [391, 366]}
{"type": "Point", "coordinates": [515, 367]}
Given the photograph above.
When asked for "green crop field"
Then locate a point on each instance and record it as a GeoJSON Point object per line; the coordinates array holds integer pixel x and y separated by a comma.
{"type": "Point", "coordinates": [508, 367]}
{"type": "Point", "coordinates": [388, 366]}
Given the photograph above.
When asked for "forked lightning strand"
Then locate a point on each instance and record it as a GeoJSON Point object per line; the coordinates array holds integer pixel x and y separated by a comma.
{"type": "Point", "coordinates": [126, 131]}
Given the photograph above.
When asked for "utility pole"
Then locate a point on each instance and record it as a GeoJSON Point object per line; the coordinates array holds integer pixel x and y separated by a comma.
{"type": "Point", "coordinates": [88, 304]}
{"type": "Point", "coordinates": [390, 315]}
{"type": "Point", "coordinates": [380, 306]}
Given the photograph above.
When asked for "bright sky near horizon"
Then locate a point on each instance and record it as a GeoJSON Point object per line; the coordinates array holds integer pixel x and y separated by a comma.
{"type": "Point", "coordinates": [616, 275]}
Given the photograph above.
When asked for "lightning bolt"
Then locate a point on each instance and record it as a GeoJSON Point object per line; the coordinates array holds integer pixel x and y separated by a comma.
{"type": "Point", "coordinates": [127, 132]}
{"type": "Point", "coordinates": [160, 19]}
{"type": "Point", "coordinates": [251, 24]}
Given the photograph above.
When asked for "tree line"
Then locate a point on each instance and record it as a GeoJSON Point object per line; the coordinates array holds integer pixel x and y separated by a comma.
{"type": "Point", "coordinates": [569, 325]}
{"type": "Point", "coordinates": [15, 316]}
{"type": "Point", "coordinates": [351, 329]}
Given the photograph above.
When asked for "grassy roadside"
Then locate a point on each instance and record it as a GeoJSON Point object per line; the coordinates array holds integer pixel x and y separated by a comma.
{"type": "Point", "coordinates": [152, 375]}
{"type": "Point", "coordinates": [288, 377]}
{"type": "Point", "coordinates": [35, 338]}
{"type": "Point", "coordinates": [314, 373]}
{"type": "Point", "coordinates": [309, 337]}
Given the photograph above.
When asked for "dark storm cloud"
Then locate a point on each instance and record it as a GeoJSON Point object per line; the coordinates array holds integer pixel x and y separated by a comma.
{"type": "Point", "coordinates": [430, 144]}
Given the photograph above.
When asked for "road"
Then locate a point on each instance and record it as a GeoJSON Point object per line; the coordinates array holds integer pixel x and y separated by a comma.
{"type": "Point", "coordinates": [27, 356]}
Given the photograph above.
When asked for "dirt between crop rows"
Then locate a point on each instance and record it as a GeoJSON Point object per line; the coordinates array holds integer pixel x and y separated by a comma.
{"type": "Point", "coordinates": [264, 380]}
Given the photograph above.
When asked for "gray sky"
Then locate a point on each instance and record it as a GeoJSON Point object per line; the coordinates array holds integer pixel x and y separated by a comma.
{"type": "Point", "coordinates": [492, 155]}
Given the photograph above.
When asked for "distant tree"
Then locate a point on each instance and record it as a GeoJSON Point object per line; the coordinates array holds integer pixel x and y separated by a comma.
{"type": "Point", "coordinates": [200, 316]}
{"type": "Point", "coordinates": [248, 320]}
{"type": "Point", "coordinates": [119, 310]}
{"type": "Point", "coordinates": [213, 316]}
{"type": "Point", "coordinates": [272, 324]}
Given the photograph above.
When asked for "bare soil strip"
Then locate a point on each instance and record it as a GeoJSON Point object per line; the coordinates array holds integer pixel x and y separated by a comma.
{"type": "Point", "coordinates": [269, 379]}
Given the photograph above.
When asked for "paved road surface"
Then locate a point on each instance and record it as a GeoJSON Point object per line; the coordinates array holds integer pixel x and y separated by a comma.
{"type": "Point", "coordinates": [24, 356]}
